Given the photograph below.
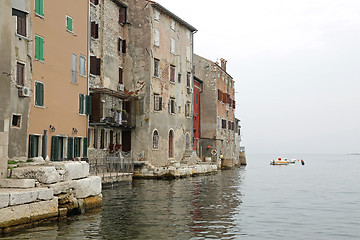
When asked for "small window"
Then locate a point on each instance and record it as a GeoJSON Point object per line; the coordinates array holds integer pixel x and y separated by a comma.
{"type": "Point", "coordinates": [188, 34]}
{"type": "Point", "coordinates": [188, 79]}
{"type": "Point", "coordinates": [172, 73]}
{"type": "Point", "coordinates": [39, 94]}
{"type": "Point", "coordinates": [157, 102]}
{"type": "Point", "coordinates": [156, 38]}
{"type": "Point", "coordinates": [95, 65]}
{"type": "Point", "coordinates": [39, 48]}
{"type": "Point", "coordinates": [172, 25]}
{"type": "Point", "coordinates": [82, 66]}
{"type": "Point", "coordinates": [188, 57]}
{"type": "Point", "coordinates": [33, 146]}
{"type": "Point", "coordinates": [74, 67]}
{"type": "Point", "coordinates": [94, 30]}
{"type": "Point", "coordinates": [188, 109]}
{"type": "Point", "coordinates": [39, 7]}
{"type": "Point", "coordinates": [120, 75]}
{"type": "Point", "coordinates": [95, 2]}
{"type": "Point", "coordinates": [16, 120]}
{"type": "Point", "coordinates": [121, 45]}
{"type": "Point", "coordinates": [156, 140]}
{"type": "Point", "coordinates": [171, 144]}
{"type": "Point", "coordinates": [187, 141]}
{"type": "Point", "coordinates": [172, 106]}
{"type": "Point", "coordinates": [20, 74]}
{"type": "Point", "coordinates": [196, 99]}
{"type": "Point", "coordinates": [77, 147]}
{"type": "Point", "coordinates": [81, 103]}
{"type": "Point", "coordinates": [179, 78]}
{"type": "Point", "coordinates": [223, 123]}
{"type": "Point", "coordinates": [172, 45]}
{"type": "Point", "coordinates": [156, 15]}
{"type": "Point", "coordinates": [20, 22]}
{"type": "Point", "coordinates": [122, 14]}
{"type": "Point", "coordinates": [156, 67]}
{"type": "Point", "coordinates": [69, 23]}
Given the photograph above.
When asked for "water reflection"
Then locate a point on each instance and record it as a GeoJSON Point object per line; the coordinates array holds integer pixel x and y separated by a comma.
{"type": "Point", "coordinates": [191, 208]}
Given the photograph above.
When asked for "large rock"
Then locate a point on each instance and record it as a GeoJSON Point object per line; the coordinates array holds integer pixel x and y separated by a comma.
{"type": "Point", "coordinates": [72, 170]}
{"type": "Point", "coordinates": [14, 215]}
{"type": "Point", "coordinates": [17, 183]}
{"type": "Point", "coordinates": [23, 196]}
{"type": "Point", "coordinates": [44, 174]}
{"type": "Point", "coordinates": [62, 187]}
{"type": "Point", "coordinates": [43, 209]}
{"type": "Point", "coordinates": [86, 187]}
{"type": "Point", "coordinates": [4, 199]}
{"type": "Point", "coordinates": [45, 194]}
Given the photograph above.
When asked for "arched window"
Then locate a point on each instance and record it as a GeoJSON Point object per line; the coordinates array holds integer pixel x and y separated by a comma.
{"type": "Point", "coordinates": [155, 139]}
{"type": "Point", "coordinates": [171, 144]}
{"type": "Point", "coordinates": [187, 141]}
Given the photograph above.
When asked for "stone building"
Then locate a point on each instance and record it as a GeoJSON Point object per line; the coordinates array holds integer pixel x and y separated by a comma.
{"type": "Point", "coordinates": [217, 110]}
{"type": "Point", "coordinates": [15, 74]}
{"type": "Point", "coordinates": [111, 120]}
{"type": "Point", "coordinates": [59, 87]}
{"type": "Point", "coordinates": [160, 77]}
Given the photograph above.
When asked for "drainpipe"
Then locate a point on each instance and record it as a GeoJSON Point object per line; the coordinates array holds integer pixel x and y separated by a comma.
{"type": "Point", "coordinates": [44, 145]}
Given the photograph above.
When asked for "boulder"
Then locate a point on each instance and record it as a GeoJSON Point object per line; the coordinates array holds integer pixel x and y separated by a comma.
{"type": "Point", "coordinates": [4, 199]}
{"type": "Point", "coordinates": [62, 187]}
{"type": "Point", "coordinates": [43, 174]}
{"type": "Point", "coordinates": [43, 209]}
{"type": "Point", "coordinates": [14, 215]}
{"type": "Point", "coordinates": [17, 183]}
{"type": "Point", "coordinates": [45, 193]}
{"type": "Point", "coordinates": [86, 187]}
{"type": "Point", "coordinates": [23, 196]}
{"type": "Point", "coordinates": [72, 170]}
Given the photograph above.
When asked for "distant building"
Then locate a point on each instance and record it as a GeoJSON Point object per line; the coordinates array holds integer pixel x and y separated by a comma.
{"type": "Point", "coordinates": [112, 120]}
{"type": "Point", "coordinates": [196, 114]}
{"type": "Point", "coordinates": [216, 110]}
{"type": "Point", "coordinates": [160, 77]}
{"type": "Point", "coordinates": [60, 103]}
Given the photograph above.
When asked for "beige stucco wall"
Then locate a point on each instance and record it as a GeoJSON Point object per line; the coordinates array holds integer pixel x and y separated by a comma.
{"type": "Point", "coordinates": [61, 98]}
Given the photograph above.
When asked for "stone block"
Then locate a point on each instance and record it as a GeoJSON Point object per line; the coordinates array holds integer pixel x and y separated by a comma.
{"type": "Point", "coordinates": [72, 170]}
{"type": "Point", "coordinates": [4, 199]}
{"type": "Point", "coordinates": [14, 215]}
{"type": "Point", "coordinates": [42, 174]}
{"type": "Point", "coordinates": [86, 187]}
{"type": "Point", "coordinates": [17, 183]}
{"type": "Point", "coordinates": [62, 187]}
{"type": "Point", "coordinates": [45, 193]}
{"type": "Point", "coordinates": [23, 196]}
{"type": "Point", "coordinates": [43, 209]}
{"type": "Point", "coordinates": [4, 139]}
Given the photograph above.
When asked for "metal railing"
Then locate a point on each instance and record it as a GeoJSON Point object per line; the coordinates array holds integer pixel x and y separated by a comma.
{"type": "Point", "coordinates": [112, 165]}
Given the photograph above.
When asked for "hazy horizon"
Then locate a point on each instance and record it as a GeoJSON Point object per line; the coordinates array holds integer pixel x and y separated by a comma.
{"type": "Point", "coordinates": [295, 65]}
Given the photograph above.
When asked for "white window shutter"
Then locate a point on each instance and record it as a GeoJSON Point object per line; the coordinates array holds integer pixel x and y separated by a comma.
{"type": "Point", "coordinates": [172, 45]}
{"type": "Point", "coordinates": [156, 38]}
{"type": "Point", "coordinates": [188, 53]}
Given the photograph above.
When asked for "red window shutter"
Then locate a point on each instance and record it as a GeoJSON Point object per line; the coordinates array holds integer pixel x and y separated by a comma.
{"type": "Point", "coordinates": [123, 46]}
{"type": "Point", "coordinates": [119, 44]}
{"type": "Point", "coordinates": [234, 103]}
{"type": "Point", "coordinates": [98, 65]}
{"type": "Point", "coordinates": [122, 14]}
{"type": "Point", "coordinates": [93, 65]}
{"type": "Point", "coordinates": [120, 75]}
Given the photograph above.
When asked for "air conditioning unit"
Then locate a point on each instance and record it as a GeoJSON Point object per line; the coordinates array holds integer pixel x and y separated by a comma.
{"type": "Point", "coordinates": [189, 90]}
{"type": "Point", "coordinates": [24, 92]}
{"type": "Point", "coordinates": [120, 87]}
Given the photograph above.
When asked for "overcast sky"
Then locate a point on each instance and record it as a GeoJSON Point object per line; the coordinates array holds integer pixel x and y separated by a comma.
{"type": "Point", "coordinates": [296, 64]}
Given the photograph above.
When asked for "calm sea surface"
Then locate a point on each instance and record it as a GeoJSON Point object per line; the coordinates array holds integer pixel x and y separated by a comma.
{"type": "Point", "coordinates": [320, 200]}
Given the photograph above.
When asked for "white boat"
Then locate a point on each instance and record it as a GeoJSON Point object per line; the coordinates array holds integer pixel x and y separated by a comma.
{"type": "Point", "coordinates": [282, 161]}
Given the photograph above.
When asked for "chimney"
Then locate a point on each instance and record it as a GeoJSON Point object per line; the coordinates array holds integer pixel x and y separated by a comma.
{"type": "Point", "coordinates": [223, 64]}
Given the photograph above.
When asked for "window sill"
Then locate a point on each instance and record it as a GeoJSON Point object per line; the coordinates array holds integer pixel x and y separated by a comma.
{"type": "Point", "coordinates": [43, 107]}
{"type": "Point", "coordinates": [172, 82]}
{"type": "Point", "coordinates": [22, 37]}
{"type": "Point", "coordinates": [92, 4]}
{"type": "Point", "coordinates": [39, 16]}
{"type": "Point", "coordinates": [81, 75]}
{"type": "Point", "coordinates": [37, 60]}
{"type": "Point", "coordinates": [155, 149]}
{"type": "Point", "coordinates": [71, 32]}
{"type": "Point", "coordinates": [157, 77]}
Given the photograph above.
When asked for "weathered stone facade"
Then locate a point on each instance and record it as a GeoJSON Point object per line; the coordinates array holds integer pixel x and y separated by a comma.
{"type": "Point", "coordinates": [217, 131]}
{"type": "Point", "coordinates": [161, 49]}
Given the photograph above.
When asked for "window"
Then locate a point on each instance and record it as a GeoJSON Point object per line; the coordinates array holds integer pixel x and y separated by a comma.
{"type": "Point", "coordinates": [120, 75]}
{"type": "Point", "coordinates": [196, 99]}
{"type": "Point", "coordinates": [188, 34]}
{"type": "Point", "coordinates": [171, 144]}
{"type": "Point", "coordinates": [156, 15]}
{"type": "Point", "coordinates": [188, 109]}
{"type": "Point", "coordinates": [172, 45]}
{"type": "Point", "coordinates": [229, 125]}
{"type": "Point", "coordinates": [187, 141]}
{"type": "Point", "coordinates": [39, 94]}
{"type": "Point", "coordinates": [95, 143]}
{"type": "Point", "coordinates": [69, 23]}
{"type": "Point", "coordinates": [188, 79]}
{"type": "Point", "coordinates": [223, 123]}
{"type": "Point", "coordinates": [179, 78]}
{"type": "Point", "coordinates": [218, 122]}
{"type": "Point", "coordinates": [70, 148]}
{"type": "Point", "coordinates": [188, 57]}
{"type": "Point", "coordinates": [121, 45]}
{"type": "Point", "coordinates": [172, 73]}
{"type": "Point", "coordinates": [94, 30]}
{"type": "Point", "coordinates": [39, 7]}
{"type": "Point", "coordinates": [234, 103]}
{"type": "Point", "coordinates": [172, 25]}
{"type": "Point", "coordinates": [74, 67]}
{"type": "Point", "coordinates": [20, 22]}
{"type": "Point", "coordinates": [39, 48]}
{"type": "Point", "coordinates": [95, 65]}
{"type": "Point", "coordinates": [88, 105]}
{"type": "Point", "coordinates": [156, 38]}
{"type": "Point", "coordinates": [85, 147]}
{"type": "Point", "coordinates": [219, 95]}
{"type": "Point", "coordinates": [33, 146]}
{"type": "Point", "coordinates": [157, 102]}
{"type": "Point", "coordinates": [156, 67]}
{"type": "Point", "coordinates": [122, 14]}
{"type": "Point", "coordinates": [82, 66]}
{"type": "Point", "coordinates": [172, 106]}
{"type": "Point", "coordinates": [81, 103]}
{"type": "Point", "coordinates": [16, 120]}
{"type": "Point", "coordinates": [95, 2]}
{"type": "Point", "coordinates": [77, 147]}
{"type": "Point", "coordinates": [156, 140]}
{"type": "Point", "coordinates": [20, 74]}
{"type": "Point", "coordinates": [102, 139]}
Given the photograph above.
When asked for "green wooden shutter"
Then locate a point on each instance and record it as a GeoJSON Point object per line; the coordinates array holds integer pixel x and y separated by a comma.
{"type": "Point", "coordinates": [31, 152]}
{"type": "Point", "coordinates": [88, 105]}
{"type": "Point", "coordinates": [85, 144]}
{"type": "Point", "coordinates": [54, 148]}
{"type": "Point", "coordinates": [81, 103]}
{"type": "Point", "coordinates": [70, 147]}
{"type": "Point", "coordinates": [36, 94]}
{"type": "Point", "coordinates": [76, 147]}
{"type": "Point", "coordinates": [69, 23]}
{"type": "Point", "coordinates": [39, 48]}
{"type": "Point", "coordinates": [41, 94]}
{"type": "Point", "coordinates": [39, 7]}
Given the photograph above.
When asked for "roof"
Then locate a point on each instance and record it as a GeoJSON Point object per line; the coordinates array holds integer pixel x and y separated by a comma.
{"type": "Point", "coordinates": [172, 15]}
